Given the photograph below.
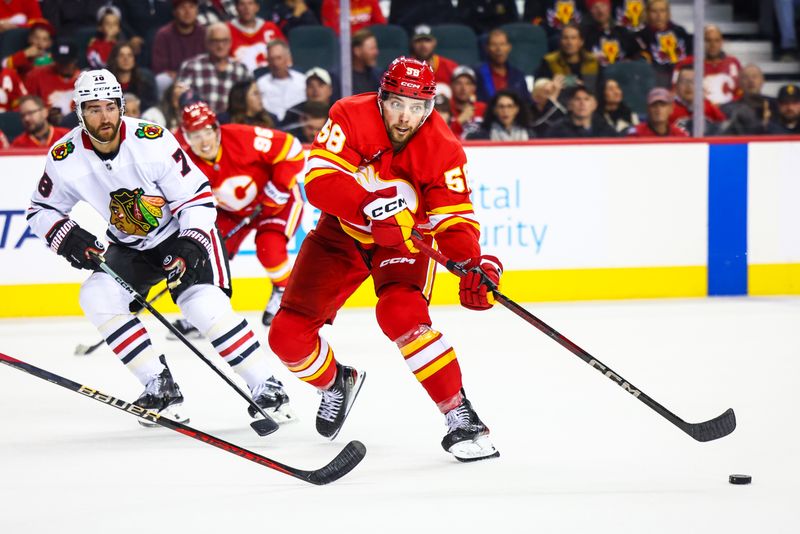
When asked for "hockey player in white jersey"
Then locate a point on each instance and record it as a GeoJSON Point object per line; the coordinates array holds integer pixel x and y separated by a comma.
{"type": "Point", "coordinates": [161, 223]}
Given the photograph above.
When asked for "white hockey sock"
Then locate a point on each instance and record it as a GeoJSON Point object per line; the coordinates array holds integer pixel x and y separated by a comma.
{"type": "Point", "coordinates": [127, 337]}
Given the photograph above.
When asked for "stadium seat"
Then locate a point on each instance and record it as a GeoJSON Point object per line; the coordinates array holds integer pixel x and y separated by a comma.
{"type": "Point", "coordinates": [456, 42]}
{"type": "Point", "coordinates": [392, 43]}
{"type": "Point", "coordinates": [81, 39]}
{"type": "Point", "coordinates": [314, 46]}
{"type": "Point", "coordinates": [635, 78]}
{"type": "Point", "coordinates": [13, 40]}
{"type": "Point", "coordinates": [11, 124]}
{"type": "Point", "coordinates": [528, 45]}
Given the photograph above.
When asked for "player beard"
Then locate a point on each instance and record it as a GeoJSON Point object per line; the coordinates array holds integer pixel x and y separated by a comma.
{"type": "Point", "coordinates": [399, 134]}
{"type": "Point", "coordinates": [103, 134]}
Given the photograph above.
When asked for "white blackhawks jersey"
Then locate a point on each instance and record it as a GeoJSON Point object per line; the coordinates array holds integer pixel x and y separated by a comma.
{"type": "Point", "coordinates": [148, 191]}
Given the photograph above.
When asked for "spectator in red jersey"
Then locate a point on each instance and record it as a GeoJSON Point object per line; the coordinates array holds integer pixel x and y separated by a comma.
{"type": "Point", "coordinates": [132, 78]}
{"type": "Point", "coordinates": [423, 47]}
{"type": "Point", "coordinates": [250, 35]}
{"type": "Point", "coordinates": [787, 121]}
{"type": "Point", "coordinates": [11, 90]}
{"type": "Point", "coordinates": [55, 83]}
{"type": "Point", "coordinates": [363, 13]}
{"type": "Point", "coordinates": [659, 109]}
{"type": "Point", "coordinates": [571, 60]}
{"type": "Point", "coordinates": [37, 53]}
{"type": "Point", "coordinates": [663, 43]}
{"type": "Point", "coordinates": [721, 72]}
{"type": "Point", "coordinates": [684, 100]}
{"type": "Point", "coordinates": [609, 42]}
{"type": "Point", "coordinates": [17, 13]}
{"type": "Point", "coordinates": [466, 112]}
{"type": "Point", "coordinates": [581, 121]}
{"type": "Point", "coordinates": [108, 32]}
{"type": "Point", "coordinates": [38, 133]}
{"type": "Point", "coordinates": [364, 58]}
{"type": "Point", "coordinates": [497, 73]}
{"type": "Point", "coordinates": [612, 108]}
{"type": "Point", "coordinates": [211, 75]}
{"type": "Point", "coordinates": [176, 42]}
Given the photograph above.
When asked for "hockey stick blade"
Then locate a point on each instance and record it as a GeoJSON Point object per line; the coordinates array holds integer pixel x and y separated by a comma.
{"type": "Point", "coordinates": [264, 427]}
{"type": "Point", "coordinates": [716, 428]}
{"type": "Point", "coordinates": [343, 463]}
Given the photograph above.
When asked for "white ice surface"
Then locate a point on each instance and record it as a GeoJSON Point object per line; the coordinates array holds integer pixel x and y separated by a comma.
{"type": "Point", "coordinates": [578, 454]}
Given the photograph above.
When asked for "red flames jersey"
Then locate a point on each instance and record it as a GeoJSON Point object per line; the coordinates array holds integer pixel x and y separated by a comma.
{"type": "Point", "coordinates": [720, 78]}
{"type": "Point", "coordinates": [248, 158]}
{"type": "Point", "coordinates": [352, 156]}
{"type": "Point", "coordinates": [250, 47]}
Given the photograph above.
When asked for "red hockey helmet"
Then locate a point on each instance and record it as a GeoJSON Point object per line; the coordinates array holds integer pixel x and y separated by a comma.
{"type": "Point", "coordinates": [409, 77]}
{"type": "Point", "coordinates": [197, 116]}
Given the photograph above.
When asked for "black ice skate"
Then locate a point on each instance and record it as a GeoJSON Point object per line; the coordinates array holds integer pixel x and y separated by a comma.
{"type": "Point", "coordinates": [163, 396]}
{"type": "Point", "coordinates": [467, 437]}
{"type": "Point", "coordinates": [337, 400]}
{"type": "Point", "coordinates": [271, 397]}
{"type": "Point", "coordinates": [273, 305]}
{"type": "Point", "coordinates": [185, 327]}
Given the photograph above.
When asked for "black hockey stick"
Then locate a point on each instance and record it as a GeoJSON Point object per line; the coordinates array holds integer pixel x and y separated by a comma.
{"type": "Point", "coordinates": [264, 426]}
{"type": "Point", "coordinates": [710, 430]}
{"type": "Point", "coordinates": [85, 350]}
{"type": "Point", "coordinates": [345, 461]}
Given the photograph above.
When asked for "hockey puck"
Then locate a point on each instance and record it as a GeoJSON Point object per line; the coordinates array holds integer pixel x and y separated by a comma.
{"type": "Point", "coordinates": [740, 479]}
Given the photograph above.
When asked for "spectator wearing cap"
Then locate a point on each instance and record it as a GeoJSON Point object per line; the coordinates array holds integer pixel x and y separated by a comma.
{"type": "Point", "coordinates": [177, 41]}
{"type": "Point", "coordinates": [364, 58]}
{"type": "Point", "coordinates": [664, 44]}
{"type": "Point", "coordinates": [55, 83]}
{"type": "Point", "coordinates": [466, 112]}
{"type": "Point", "coordinates": [131, 77]}
{"type": "Point", "coordinates": [659, 109]}
{"type": "Point", "coordinates": [37, 53]}
{"type": "Point", "coordinates": [497, 73]}
{"type": "Point", "coordinates": [612, 108]}
{"type": "Point", "coordinates": [423, 47]}
{"type": "Point", "coordinates": [12, 89]}
{"type": "Point", "coordinates": [212, 74]}
{"type": "Point", "coordinates": [245, 106]}
{"type": "Point", "coordinates": [720, 72]}
{"type": "Point", "coordinates": [581, 121]}
{"type": "Point", "coordinates": [546, 109]}
{"type": "Point", "coordinates": [571, 60]}
{"type": "Point", "coordinates": [250, 34]}
{"type": "Point", "coordinates": [787, 120]}
{"type": "Point", "coordinates": [363, 13]}
{"type": "Point", "coordinates": [609, 42]}
{"type": "Point", "coordinates": [319, 88]}
{"type": "Point", "coordinates": [507, 118]}
{"type": "Point", "coordinates": [17, 13]}
{"type": "Point", "coordinates": [37, 132]}
{"type": "Point", "coordinates": [684, 102]}
{"type": "Point", "coordinates": [108, 33]}
{"type": "Point", "coordinates": [750, 113]}
{"type": "Point", "coordinates": [282, 87]}
{"type": "Point", "coordinates": [484, 15]}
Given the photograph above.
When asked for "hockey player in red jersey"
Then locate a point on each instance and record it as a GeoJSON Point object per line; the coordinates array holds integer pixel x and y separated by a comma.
{"type": "Point", "coordinates": [382, 165]}
{"type": "Point", "coordinates": [248, 166]}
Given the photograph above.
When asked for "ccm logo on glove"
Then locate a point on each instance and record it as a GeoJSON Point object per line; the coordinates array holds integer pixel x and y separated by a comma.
{"type": "Point", "coordinates": [381, 212]}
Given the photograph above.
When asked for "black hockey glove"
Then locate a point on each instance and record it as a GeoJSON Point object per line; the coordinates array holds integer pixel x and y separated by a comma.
{"type": "Point", "coordinates": [68, 239]}
{"type": "Point", "coordinates": [186, 261]}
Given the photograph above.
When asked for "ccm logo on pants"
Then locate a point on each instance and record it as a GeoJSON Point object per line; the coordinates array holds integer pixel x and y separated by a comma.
{"type": "Point", "coordinates": [392, 261]}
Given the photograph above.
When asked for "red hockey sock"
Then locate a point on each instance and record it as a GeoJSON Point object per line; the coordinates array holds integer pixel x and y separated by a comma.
{"type": "Point", "coordinates": [296, 341]}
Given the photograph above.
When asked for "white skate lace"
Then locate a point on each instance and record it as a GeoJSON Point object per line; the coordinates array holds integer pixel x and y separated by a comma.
{"type": "Point", "coordinates": [275, 300]}
{"type": "Point", "coordinates": [457, 418]}
{"type": "Point", "coordinates": [271, 387]}
{"type": "Point", "coordinates": [154, 386]}
{"type": "Point", "coordinates": [331, 404]}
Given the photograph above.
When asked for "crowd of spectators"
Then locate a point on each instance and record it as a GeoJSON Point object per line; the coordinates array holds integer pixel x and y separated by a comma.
{"type": "Point", "coordinates": [236, 56]}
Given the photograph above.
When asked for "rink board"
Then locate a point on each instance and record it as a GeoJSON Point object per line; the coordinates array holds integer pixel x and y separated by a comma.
{"type": "Point", "coordinates": [570, 222]}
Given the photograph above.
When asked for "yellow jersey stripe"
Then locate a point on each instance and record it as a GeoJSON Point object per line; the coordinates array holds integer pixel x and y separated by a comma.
{"type": "Point", "coordinates": [330, 156]}
{"type": "Point", "coordinates": [452, 209]}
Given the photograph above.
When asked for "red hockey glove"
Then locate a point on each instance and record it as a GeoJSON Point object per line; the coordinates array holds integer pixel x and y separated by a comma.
{"type": "Point", "coordinates": [392, 221]}
{"type": "Point", "coordinates": [185, 263]}
{"type": "Point", "coordinates": [275, 196]}
{"type": "Point", "coordinates": [483, 275]}
{"type": "Point", "coordinates": [68, 239]}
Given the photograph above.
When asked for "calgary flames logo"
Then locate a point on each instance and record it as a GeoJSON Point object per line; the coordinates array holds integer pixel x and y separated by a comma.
{"type": "Point", "coordinates": [135, 213]}
{"type": "Point", "coordinates": [149, 131]}
{"type": "Point", "coordinates": [62, 150]}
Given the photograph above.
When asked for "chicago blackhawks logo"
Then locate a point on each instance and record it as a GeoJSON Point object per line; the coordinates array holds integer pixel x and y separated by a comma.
{"type": "Point", "coordinates": [135, 213]}
{"type": "Point", "coordinates": [149, 131]}
{"type": "Point", "coordinates": [62, 150]}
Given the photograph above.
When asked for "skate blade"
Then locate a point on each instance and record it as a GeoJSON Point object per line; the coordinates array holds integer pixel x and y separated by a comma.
{"type": "Point", "coordinates": [356, 389]}
{"type": "Point", "coordinates": [174, 412]}
{"type": "Point", "coordinates": [473, 451]}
